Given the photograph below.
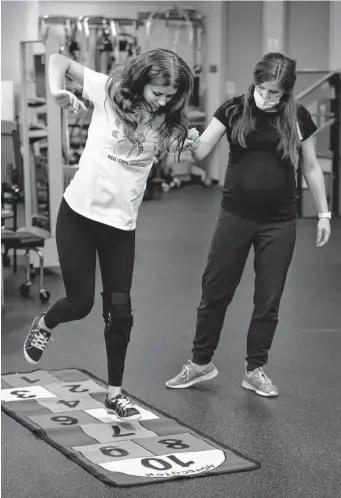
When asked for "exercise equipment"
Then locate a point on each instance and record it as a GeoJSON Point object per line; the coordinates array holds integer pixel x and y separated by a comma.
{"type": "Point", "coordinates": [107, 41]}
{"type": "Point", "coordinates": [99, 34]}
{"type": "Point", "coordinates": [127, 47]}
{"type": "Point", "coordinates": [186, 29]}
{"type": "Point", "coordinates": [173, 17]}
{"type": "Point", "coordinates": [52, 138]}
{"type": "Point", "coordinates": [70, 30]}
{"type": "Point", "coordinates": [16, 238]}
{"type": "Point", "coordinates": [41, 143]}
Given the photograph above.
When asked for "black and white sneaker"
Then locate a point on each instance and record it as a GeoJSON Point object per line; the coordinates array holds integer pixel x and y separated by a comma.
{"type": "Point", "coordinates": [122, 408]}
{"type": "Point", "coordinates": [36, 342]}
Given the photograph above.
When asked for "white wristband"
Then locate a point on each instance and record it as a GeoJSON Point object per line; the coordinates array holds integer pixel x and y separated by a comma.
{"type": "Point", "coordinates": [325, 215]}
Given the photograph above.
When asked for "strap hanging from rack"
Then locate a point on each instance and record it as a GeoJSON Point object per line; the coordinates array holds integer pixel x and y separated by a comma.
{"type": "Point", "coordinates": [108, 25]}
{"type": "Point", "coordinates": [71, 26]}
{"type": "Point", "coordinates": [45, 22]}
{"type": "Point", "coordinates": [170, 14]}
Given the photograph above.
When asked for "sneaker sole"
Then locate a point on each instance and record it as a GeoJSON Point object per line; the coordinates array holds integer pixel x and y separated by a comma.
{"type": "Point", "coordinates": [134, 418]}
{"type": "Point", "coordinates": [249, 387]}
{"type": "Point", "coordinates": [208, 376]}
{"type": "Point", "coordinates": [28, 358]}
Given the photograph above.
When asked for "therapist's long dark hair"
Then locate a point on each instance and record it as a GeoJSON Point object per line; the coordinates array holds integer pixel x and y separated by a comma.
{"type": "Point", "coordinates": [273, 67]}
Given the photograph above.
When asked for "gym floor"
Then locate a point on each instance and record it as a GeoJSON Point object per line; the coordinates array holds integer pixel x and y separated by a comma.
{"type": "Point", "coordinates": [294, 437]}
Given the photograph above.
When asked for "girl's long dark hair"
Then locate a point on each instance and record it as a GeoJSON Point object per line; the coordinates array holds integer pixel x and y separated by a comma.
{"type": "Point", "coordinates": [159, 67]}
{"type": "Point", "coordinates": [273, 67]}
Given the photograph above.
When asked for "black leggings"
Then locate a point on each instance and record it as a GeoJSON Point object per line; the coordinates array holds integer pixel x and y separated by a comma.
{"type": "Point", "coordinates": [233, 237]}
{"type": "Point", "coordinates": [79, 239]}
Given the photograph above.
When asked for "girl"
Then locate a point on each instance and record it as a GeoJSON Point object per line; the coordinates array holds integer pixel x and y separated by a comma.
{"type": "Point", "coordinates": [268, 136]}
{"type": "Point", "coordinates": [139, 110]}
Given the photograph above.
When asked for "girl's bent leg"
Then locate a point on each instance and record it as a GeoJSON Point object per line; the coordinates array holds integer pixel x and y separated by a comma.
{"type": "Point", "coordinates": [77, 257]}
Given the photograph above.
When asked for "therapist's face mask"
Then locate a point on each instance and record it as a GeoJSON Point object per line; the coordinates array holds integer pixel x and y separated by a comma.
{"type": "Point", "coordinates": [265, 104]}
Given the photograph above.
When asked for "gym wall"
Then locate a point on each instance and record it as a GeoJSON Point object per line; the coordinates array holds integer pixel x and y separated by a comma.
{"type": "Point", "coordinates": [19, 22]}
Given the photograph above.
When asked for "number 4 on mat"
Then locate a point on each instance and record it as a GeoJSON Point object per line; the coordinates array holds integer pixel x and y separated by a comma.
{"type": "Point", "coordinates": [69, 404]}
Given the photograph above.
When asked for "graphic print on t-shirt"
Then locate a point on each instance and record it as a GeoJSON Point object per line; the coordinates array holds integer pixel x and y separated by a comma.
{"type": "Point", "coordinates": [116, 132]}
{"type": "Point", "coordinates": [131, 148]}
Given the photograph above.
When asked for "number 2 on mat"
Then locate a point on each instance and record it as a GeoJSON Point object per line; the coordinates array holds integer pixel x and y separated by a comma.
{"type": "Point", "coordinates": [74, 388]}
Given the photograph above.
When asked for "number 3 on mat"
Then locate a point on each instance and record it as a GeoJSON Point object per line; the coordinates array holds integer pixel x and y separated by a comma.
{"type": "Point", "coordinates": [23, 394]}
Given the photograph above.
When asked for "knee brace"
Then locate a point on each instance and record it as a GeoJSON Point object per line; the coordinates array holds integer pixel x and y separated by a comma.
{"type": "Point", "coordinates": [118, 317]}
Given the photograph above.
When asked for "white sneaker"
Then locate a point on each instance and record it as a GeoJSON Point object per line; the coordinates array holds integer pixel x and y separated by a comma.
{"type": "Point", "coordinates": [192, 374]}
{"type": "Point", "coordinates": [260, 383]}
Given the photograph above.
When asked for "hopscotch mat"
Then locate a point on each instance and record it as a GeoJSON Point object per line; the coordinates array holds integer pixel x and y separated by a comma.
{"type": "Point", "coordinates": [65, 409]}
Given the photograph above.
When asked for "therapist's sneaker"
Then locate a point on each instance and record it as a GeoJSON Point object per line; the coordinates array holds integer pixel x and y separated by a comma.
{"type": "Point", "coordinates": [257, 381]}
{"type": "Point", "coordinates": [192, 374]}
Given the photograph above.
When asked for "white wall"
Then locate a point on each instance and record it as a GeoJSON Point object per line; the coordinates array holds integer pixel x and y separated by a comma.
{"type": "Point", "coordinates": [335, 36]}
{"type": "Point", "coordinates": [18, 23]}
{"type": "Point", "coordinates": [308, 33]}
{"type": "Point", "coordinates": [244, 41]}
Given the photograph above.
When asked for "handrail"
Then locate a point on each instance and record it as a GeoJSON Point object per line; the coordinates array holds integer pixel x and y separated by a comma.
{"type": "Point", "coordinates": [315, 85]}
{"type": "Point", "coordinates": [333, 121]}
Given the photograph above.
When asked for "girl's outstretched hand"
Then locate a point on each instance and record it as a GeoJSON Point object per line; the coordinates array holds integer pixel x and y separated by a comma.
{"type": "Point", "coordinates": [67, 100]}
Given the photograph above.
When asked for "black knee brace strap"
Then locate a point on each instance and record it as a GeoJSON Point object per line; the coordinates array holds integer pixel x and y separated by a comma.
{"type": "Point", "coordinates": [117, 313]}
{"type": "Point", "coordinates": [113, 300]}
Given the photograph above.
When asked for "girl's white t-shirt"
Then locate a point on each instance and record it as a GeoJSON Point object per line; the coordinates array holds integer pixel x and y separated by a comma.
{"type": "Point", "coordinates": [110, 182]}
